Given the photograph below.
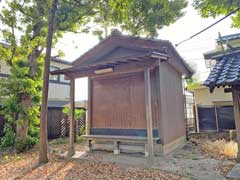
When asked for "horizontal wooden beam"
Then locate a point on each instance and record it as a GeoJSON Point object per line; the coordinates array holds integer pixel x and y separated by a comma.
{"type": "Point", "coordinates": [119, 69]}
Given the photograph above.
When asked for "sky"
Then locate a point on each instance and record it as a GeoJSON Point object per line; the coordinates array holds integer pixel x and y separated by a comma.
{"type": "Point", "coordinates": [74, 45]}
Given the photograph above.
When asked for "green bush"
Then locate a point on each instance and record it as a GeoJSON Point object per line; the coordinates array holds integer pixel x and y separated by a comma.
{"type": "Point", "coordinates": [23, 144]}
{"type": "Point", "coordinates": [9, 136]}
{"type": "Point", "coordinates": [78, 113]}
{"type": "Point", "coordinates": [82, 130]}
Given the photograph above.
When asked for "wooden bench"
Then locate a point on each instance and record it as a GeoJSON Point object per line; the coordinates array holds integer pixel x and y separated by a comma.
{"type": "Point", "coordinates": [118, 139]}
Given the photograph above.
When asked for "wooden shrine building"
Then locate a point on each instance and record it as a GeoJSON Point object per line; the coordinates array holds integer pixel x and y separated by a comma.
{"type": "Point", "coordinates": [135, 100]}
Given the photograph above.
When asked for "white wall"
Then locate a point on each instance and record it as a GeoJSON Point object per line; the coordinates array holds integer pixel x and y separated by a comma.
{"type": "Point", "coordinates": [57, 90]}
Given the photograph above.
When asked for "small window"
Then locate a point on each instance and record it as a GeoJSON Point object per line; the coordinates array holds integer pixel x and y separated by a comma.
{"type": "Point", "coordinates": [53, 77]}
{"type": "Point", "coordinates": [62, 79]}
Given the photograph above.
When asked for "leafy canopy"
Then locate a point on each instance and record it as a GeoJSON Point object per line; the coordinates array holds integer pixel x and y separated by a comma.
{"type": "Point", "coordinates": [214, 8]}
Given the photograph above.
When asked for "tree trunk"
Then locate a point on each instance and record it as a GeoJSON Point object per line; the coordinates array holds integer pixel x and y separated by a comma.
{"type": "Point", "coordinates": [22, 128]}
{"type": "Point", "coordinates": [22, 123]}
{"type": "Point", "coordinates": [43, 158]}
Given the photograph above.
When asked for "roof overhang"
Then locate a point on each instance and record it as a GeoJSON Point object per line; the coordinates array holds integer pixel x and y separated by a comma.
{"type": "Point", "coordinates": [146, 58]}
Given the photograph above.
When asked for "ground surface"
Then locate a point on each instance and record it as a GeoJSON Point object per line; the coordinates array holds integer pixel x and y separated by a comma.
{"type": "Point", "coordinates": [24, 166]}
{"type": "Point", "coordinates": [193, 161]}
{"type": "Point", "coordinates": [189, 161]}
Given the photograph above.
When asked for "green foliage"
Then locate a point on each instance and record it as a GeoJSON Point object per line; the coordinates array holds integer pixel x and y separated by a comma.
{"type": "Point", "coordinates": [214, 8]}
{"type": "Point", "coordinates": [8, 139]}
{"type": "Point", "coordinates": [192, 83]}
{"type": "Point", "coordinates": [60, 141]}
{"type": "Point", "coordinates": [137, 17]}
{"type": "Point", "coordinates": [24, 144]}
{"type": "Point", "coordinates": [80, 140]}
{"type": "Point", "coordinates": [18, 85]}
{"type": "Point", "coordinates": [78, 113]}
{"type": "Point", "coordinates": [82, 130]}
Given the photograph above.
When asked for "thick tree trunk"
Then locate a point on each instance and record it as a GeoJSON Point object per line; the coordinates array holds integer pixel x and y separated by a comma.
{"type": "Point", "coordinates": [43, 158]}
{"type": "Point", "coordinates": [23, 124]}
{"type": "Point", "coordinates": [22, 128]}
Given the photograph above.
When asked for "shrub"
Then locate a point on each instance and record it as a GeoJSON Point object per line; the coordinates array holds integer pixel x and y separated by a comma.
{"type": "Point", "coordinates": [23, 144]}
{"type": "Point", "coordinates": [78, 113]}
{"type": "Point", "coordinates": [221, 148]}
{"type": "Point", "coordinates": [9, 136]}
{"type": "Point", "coordinates": [82, 130]}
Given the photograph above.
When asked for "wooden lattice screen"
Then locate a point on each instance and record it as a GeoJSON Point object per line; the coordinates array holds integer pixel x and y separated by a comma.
{"type": "Point", "coordinates": [79, 124]}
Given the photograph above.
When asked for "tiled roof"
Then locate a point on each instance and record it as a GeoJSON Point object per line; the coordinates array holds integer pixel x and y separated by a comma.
{"type": "Point", "coordinates": [229, 37]}
{"type": "Point", "coordinates": [225, 72]}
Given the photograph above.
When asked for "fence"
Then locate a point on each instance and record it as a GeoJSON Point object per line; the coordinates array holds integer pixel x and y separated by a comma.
{"type": "Point", "coordinates": [215, 118]}
{"type": "Point", "coordinates": [58, 124]}
{"type": "Point", "coordinates": [190, 114]}
{"type": "Point", "coordinates": [79, 125]}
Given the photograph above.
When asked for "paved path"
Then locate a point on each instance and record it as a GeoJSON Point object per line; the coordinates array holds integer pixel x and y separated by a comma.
{"type": "Point", "coordinates": [200, 169]}
{"type": "Point", "coordinates": [187, 161]}
{"type": "Point", "coordinates": [235, 172]}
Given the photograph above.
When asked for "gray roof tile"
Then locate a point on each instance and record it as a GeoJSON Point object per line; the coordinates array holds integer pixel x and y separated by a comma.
{"type": "Point", "coordinates": [225, 72]}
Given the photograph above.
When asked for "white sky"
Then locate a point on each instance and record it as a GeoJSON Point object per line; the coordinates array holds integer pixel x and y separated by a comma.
{"type": "Point", "coordinates": [74, 45]}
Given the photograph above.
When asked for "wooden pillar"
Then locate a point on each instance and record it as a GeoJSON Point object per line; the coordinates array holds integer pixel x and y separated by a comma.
{"type": "Point", "coordinates": [216, 117]}
{"type": "Point", "coordinates": [89, 109]}
{"type": "Point", "coordinates": [159, 102]}
{"type": "Point", "coordinates": [236, 104]}
{"type": "Point", "coordinates": [71, 150]}
{"type": "Point", "coordinates": [147, 83]}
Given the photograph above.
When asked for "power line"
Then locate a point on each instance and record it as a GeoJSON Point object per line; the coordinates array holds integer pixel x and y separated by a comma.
{"type": "Point", "coordinates": [208, 27]}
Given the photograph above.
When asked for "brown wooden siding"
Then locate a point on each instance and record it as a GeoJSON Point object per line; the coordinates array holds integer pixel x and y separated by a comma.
{"type": "Point", "coordinates": [172, 104]}
{"type": "Point", "coordinates": [55, 116]}
{"type": "Point", "coordinates": [119, 102]}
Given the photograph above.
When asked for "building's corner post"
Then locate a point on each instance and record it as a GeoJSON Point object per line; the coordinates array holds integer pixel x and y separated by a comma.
{"type": "Point", "coordinates": [159, 100]}
{"type": "Point", "coordinates": [71, 150]}
{"type": "Point", "coordinates": [89, 109]}
{"type": "Point", "coordinates": [147, 84]}
{"type": "Point", "coordinates": [236, 104]}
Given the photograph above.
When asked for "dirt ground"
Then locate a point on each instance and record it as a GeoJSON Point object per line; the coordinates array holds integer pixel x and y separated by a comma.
{"type": "Point", "coordinates": [25, 167]}
{"type": "Point", "coordinates": [207, 159]}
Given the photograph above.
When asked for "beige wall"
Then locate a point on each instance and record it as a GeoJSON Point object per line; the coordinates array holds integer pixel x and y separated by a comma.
{"type": "Point", "coordinates": [172, 105]}
{"type": "Point", "coordinates": [203, 97]}
{"type": "Point", "coordinates": [233, 43]}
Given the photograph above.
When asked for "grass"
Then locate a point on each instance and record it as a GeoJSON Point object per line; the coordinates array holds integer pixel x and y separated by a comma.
{"type": "Point", "coordinates": [62, 141]}
{"type": "Point", "coordinates": [221, 149]}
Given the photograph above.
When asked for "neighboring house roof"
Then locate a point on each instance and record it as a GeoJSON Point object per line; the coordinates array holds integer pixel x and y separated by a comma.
{"type": "Point", "coordinates": [215, 54]}
{"type": "Point", "coordinates": [225, 72]}
{"type": "Point", "coordinates": [229, 37]}
{"type": "Point", "coordinates": [55, 59]}
{"type": "Point", "coordinates": [118, 46]}
{"type": "Point", "coordinates": [57, 103]}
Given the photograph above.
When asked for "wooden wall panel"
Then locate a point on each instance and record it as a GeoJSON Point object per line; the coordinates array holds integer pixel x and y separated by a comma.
{"type": "Point", "coordinates": [172, 108]}
{"type": "Point", "coordinates": [119, 102]}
